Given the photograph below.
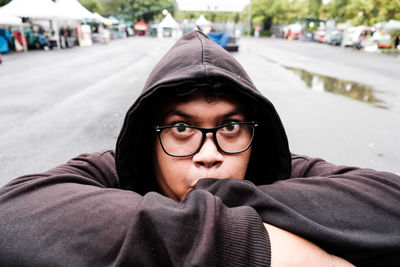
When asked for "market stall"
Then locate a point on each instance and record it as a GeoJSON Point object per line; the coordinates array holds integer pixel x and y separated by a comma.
{"type": "Point", "coordinates": [5, 21]}
{"type": "Point", "coordinates": [77, 17]}
{"type": "Point", "coordinates": [167, 27]}
{"type": "Point", "coordinates": [38, 9]}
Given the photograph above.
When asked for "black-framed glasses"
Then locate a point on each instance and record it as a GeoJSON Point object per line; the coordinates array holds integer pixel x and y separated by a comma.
{"type": "Point", "coordinates": [183, 140]}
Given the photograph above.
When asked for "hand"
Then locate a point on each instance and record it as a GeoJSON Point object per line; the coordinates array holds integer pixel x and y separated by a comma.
{"type": "Point", "coordinates": [288, 249]}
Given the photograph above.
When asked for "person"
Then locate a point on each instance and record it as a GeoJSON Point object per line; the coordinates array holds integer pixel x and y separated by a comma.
{"type": "Point", "coordinates": [43, 42]}
{"type": "Point", "coordinates": [201, 175]}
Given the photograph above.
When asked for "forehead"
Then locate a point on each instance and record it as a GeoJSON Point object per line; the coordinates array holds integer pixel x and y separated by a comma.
{"type": "Point", "coordinates": [199, 104]}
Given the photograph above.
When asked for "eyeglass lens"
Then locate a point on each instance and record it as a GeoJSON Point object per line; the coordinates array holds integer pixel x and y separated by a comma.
{"type": "Point", "coordinates": [183, 140]}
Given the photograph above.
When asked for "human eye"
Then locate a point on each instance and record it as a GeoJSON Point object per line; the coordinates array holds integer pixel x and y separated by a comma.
{"type": "Point", "coordinates": [230, 127]}
{"type": "Point", "coordinates": [181, 128]}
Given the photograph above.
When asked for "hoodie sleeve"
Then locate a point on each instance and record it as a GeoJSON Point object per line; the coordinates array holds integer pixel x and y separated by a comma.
{"type": "Point", "coordinates": [75, 215]}
{"type": "Point", "coordinates": [349, 212]}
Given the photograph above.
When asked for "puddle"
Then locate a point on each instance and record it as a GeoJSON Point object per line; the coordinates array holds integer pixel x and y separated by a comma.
{"type": "Point", "coordinates": [357, 91]}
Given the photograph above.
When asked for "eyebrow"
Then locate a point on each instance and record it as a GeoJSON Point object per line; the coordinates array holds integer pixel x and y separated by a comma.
{"type": "Point", "coordinates": [177, 112]}
{"type": "Point", "coordinates": [180, 113]}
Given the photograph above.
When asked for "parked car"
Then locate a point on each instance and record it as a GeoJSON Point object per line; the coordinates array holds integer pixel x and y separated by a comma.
{"type": "Point", "coordinates": [335, 37]}
{"type": "Point", "coordinates": [354, 36]}
{"type": "Point", "coordinates": [321, 36]}
{"type": "Point", "coordinates": [225, 40]}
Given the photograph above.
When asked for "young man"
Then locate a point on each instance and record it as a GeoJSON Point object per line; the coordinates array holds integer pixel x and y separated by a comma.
{"type": "Point", "coordinates": [201, 162]}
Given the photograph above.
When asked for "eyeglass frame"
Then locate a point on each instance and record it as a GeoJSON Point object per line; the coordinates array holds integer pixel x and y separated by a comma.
{"type": "Point", "coordinates": [204, 132]}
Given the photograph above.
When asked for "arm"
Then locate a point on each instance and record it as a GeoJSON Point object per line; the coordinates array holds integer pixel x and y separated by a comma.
{"type": "Point", "coordinates": [288, 249]}
{"type": "Point", "coordinates": [75, 215]}
{"type": "Point", "coordinates": [349, 212]}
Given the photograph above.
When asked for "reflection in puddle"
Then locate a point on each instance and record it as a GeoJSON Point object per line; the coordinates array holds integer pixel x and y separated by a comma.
{"type": "Point", "coordinates": [354, 90]}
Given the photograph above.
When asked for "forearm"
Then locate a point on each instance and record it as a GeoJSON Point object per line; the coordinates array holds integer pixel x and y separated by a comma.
{"type": "Point", "coordinates": [61, 220]}
{"type": "Point", "coordinates": [288, 249]}
{"type": "Point", "coordinates": [327, 212]}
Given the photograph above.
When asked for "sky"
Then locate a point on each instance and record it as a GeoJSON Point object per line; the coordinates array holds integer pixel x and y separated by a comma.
{"type": "Point", "coordinates": [212, 5]}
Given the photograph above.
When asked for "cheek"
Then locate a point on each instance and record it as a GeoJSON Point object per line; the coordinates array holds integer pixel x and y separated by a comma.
{"type": "Point", "coordinates": [238, 164]}
{"type": "Point", "coordinates": [170, 173]}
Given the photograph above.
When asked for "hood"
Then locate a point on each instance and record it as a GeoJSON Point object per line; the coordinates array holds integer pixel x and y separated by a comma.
{"type": "Point", "coordinates": [195, 57]}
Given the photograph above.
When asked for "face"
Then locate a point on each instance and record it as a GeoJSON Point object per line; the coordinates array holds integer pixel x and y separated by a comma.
{"type": "Point", "coordinates": [176, 176]}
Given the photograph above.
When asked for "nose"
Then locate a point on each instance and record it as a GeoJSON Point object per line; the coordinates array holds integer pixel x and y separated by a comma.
{"type": "Point", "coordinates": [208, 156]}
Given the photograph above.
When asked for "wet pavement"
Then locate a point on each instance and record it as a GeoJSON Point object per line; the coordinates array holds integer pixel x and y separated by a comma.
{"type": "Point", "coordinates": [335, 103]}
{"type": "Point", "coordinates": [354, 90]}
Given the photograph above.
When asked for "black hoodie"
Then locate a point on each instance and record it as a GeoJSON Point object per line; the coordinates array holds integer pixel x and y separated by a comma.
{"type": "Point", "coordinates": [197, 58]}
{"type": "Point", "coordinates": [101, 210]}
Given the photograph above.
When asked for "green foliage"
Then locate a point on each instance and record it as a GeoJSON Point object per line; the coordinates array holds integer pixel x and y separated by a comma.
{"type": "Point", "coordinates": [110, 6]}
{"type": "Point", "coordinates": [366, 12]}
{"type": "Point", "coordinates": [265, 33]}
{"type": "Point", "coordinates": [209, 15]}
{"type": "Point", "coordinates": [92, 5]}
{"type": "Point", "coordinates": [146, 10]}
{"type": "Point", "coordinates": [314, 7]}
{"type": "Point", "coordinates": [276, 11]}
{"type": "Point", "coordinates": [4, 2]}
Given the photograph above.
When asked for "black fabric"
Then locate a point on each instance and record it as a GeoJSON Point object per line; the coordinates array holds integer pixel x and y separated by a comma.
{"type": "Point", "coordinates": [75, 215]}
{"type": "Point", "coordinates": [196, 58]}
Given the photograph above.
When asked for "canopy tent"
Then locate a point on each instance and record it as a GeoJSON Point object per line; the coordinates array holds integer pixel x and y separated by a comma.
{"type": "Point", "coordinates": [102, 19]}
{"type": "Point", "coordinates": [168, 22]}
{"type": "Point", "coordinates": [72, 9]}
{"type": "Point", "coordinates": [113, 20]}
{"type": "Point", "coordinates": [167, 27]}
{"type": "Point", "coordinates": [140, 28]}
{"type": "Point", "coordinates": [391, 25]}
{"type": "Point", "coordinates": [203, 24]}
{"type": "Point", "coordinates": [44, 9]}
{"type": "Point", "coordinates": [202, 21]}
{"type": "Point", "coordinates": [7, 19]}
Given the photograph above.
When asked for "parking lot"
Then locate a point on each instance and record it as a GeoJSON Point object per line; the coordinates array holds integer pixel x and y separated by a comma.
{"type": "Point", "coordinates": [57, 104]}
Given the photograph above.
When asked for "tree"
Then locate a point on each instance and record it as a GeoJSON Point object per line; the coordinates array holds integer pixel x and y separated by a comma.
{"type": "Point", "coordinates": [4, 2]}
{"type": "Point", "coordinates": [92, 5]}
{"type": "Point", "coordinates": [268, 12]}
{"type": "Point", "coordinates": [146, 9]}
{"type": "Point", "coordinates": [110, 6]}
{"type": "Point", "coordinates": [314, 7]}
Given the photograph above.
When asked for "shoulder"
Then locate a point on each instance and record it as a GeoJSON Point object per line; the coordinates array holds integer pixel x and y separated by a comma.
{"type": "Point", "coordinates": [306, 166]}
{"type": "Point", "coordinates": [97, 168]}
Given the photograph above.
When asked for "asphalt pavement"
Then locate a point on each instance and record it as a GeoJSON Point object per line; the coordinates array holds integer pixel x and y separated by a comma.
{"type": "Point", "coordinates": [55, 105]}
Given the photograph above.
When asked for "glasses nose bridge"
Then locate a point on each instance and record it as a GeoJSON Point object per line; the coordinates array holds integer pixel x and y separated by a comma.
{"type": "Point", "coordinates": [205, 131]}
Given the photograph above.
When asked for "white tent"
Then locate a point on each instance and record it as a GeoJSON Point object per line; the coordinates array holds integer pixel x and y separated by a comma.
{"type": "Point", "coordinates": [72, 9]}
{"type": "Point", "coordinates": [113, 20]}
{"type": "Point", "coordinates": [44, 9]}
{"type": "Point", "coordinates": [7, 19]}
{"type": "Point", "coordinates": [168, 22]}
{"type": "Point", "coordinates": [202, 21]}
{"type": "Point", "coordinates": [203, 24]}
{"type": "Point", "coordinates": [102, 19]}
{"type": "Point", "coordinates": [167, 27]}
{"type": "Point", "coordinates": [392, 25]}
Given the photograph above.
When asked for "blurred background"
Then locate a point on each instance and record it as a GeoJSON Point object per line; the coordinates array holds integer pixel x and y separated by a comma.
{"type": "Point", "coordinates": [70, 70]}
